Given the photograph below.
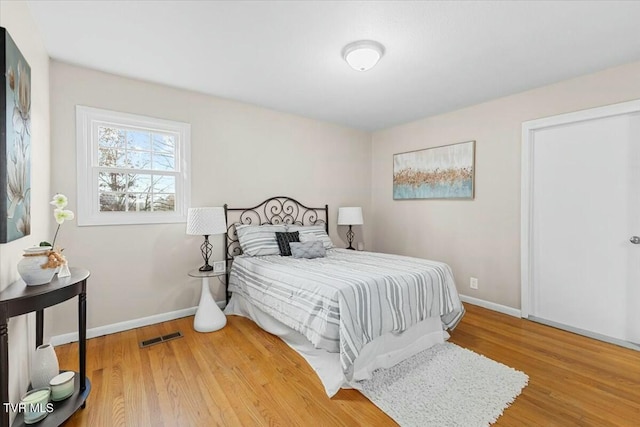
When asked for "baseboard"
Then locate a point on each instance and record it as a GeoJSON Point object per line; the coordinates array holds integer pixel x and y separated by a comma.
{"type": "Point", "coordinates": [129, 324]}
{"type": "Point", "coordinates": [492, 306]}
{"type": "Point", "coordinates": [590, 334]}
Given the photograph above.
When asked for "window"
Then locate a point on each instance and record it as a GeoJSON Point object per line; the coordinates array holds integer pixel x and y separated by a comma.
{"type": "Point", "coordinates": [131, 169]}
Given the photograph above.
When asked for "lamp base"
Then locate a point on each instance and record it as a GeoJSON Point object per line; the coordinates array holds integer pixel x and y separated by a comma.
{"type": "Point", "coordinates": [205, 249]}
{"type": "Point", "coordinates": [350, 236]}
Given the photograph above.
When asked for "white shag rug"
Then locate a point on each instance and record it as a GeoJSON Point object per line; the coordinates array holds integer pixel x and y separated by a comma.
{"type": "Point", "coordinates": [445, 386]}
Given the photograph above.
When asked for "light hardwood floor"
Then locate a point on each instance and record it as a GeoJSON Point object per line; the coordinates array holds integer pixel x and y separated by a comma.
{"type": "Point", "coordinates": [243, 376]}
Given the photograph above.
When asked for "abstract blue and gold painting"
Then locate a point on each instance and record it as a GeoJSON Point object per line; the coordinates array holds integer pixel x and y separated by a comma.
{"type": "Point", "coordinates": [435, 173]}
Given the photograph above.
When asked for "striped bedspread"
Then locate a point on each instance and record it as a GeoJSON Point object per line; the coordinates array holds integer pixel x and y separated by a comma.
{"type": "Point", "coordinates": [349, 298]}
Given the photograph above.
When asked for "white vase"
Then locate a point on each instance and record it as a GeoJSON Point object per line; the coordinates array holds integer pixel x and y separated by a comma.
{"type": "Point", "coordinates": [30, 266]}
{"type": "Point", "coordinates": [44, 366]}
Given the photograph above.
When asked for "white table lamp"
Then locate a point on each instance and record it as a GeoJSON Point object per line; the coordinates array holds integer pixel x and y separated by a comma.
{"type": "Point", "coordinates": [205, 222]}
{"type": "Point", "coordinates": [350, 216]}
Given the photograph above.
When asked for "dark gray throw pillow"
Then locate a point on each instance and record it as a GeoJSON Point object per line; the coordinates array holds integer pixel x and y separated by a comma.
{"type": "Point", "coordinates": [283, 239]}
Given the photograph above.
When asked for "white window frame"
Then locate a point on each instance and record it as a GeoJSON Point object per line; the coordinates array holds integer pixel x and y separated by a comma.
{"type": "Point", "coordinates": [87, 121]}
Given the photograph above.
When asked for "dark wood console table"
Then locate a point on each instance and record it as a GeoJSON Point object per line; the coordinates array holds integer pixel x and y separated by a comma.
{"type": "Point", "coordinates": [18, 299]}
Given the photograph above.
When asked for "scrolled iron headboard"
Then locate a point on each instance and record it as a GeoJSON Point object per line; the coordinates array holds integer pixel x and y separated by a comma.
{"type": "Point", "coordinates": [275, 210]}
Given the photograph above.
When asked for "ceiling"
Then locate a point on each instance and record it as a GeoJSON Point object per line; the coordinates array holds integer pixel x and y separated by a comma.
{"type": "Point", "coordinates": [286, 55]}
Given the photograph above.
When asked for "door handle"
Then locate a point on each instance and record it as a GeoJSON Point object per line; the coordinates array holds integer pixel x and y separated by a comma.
{"type": "Point", "coordinates": [635, 240]}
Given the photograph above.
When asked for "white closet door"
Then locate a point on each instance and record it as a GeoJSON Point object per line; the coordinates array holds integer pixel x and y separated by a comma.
{"type": "Point", "coordinates": [585, 193]}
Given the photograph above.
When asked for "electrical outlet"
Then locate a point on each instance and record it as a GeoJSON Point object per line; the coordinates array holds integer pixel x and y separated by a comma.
{"type": "Point", "coordinates": [473, 283]}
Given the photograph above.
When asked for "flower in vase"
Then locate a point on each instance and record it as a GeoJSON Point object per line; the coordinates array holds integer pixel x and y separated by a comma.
{"type": "Point", "coordinates": [60, 214]}
{"type": "Point", "coordinates": [60, 201]}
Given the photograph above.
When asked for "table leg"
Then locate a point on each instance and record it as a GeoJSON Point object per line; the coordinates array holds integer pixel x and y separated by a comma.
{"type": "Point", "coordinates": [4, 366]}
{"type": "Point", "coordinates": [208, 317]}
{"type": "Point", "coordinates": [82, 338]}
{"type": "Point", "coordinates": [39, 327]}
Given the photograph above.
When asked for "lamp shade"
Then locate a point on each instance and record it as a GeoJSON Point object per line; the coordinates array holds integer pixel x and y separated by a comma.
{"type": "Point", "coordinates": [350, 216]}
{"type": "Point", "coordinates": [206, 221]}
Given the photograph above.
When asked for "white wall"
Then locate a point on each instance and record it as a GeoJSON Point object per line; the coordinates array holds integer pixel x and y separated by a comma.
{"type": "Point", "coordinates": [16, 18]}
{"type": "Point", "coordinates": [479, 238]}
{"type": "Point", "coordinates": [241, 155]}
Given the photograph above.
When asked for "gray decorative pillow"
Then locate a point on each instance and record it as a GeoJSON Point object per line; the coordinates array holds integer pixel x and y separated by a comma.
{"type": "Point", "coordinates": [256, 240]}
{"type": "Point", "coordinates": [307, 249]}
{"type": "Point", "coordinates": [317, 230]}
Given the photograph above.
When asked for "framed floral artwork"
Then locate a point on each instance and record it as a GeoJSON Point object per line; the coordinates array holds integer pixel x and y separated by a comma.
{"type": "Point", "coordinates": [435, 173]}
{"type": "Point", "coordinates": [15, 141]}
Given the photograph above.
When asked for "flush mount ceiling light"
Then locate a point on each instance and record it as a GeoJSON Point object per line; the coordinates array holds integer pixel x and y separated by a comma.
{"type": "Point", "coordinates": [363, 55]}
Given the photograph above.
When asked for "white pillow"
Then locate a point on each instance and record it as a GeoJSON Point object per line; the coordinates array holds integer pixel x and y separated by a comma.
{"type": "Point", "coordinates": [318, 231]}
{"type": "Point", "coordinates": [307, 237]}
{"type": "Point", "coordinates": [257, 240]}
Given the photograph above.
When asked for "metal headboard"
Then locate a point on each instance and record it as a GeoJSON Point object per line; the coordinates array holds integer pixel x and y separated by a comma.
{"type": "Point", "coordinates": [275, 210]}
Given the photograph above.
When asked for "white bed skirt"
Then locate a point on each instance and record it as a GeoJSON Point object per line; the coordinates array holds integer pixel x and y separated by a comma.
{"type": "Point", "coordinates": [383, 352]}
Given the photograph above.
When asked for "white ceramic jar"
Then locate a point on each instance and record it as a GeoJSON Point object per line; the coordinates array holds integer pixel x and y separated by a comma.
{"type": "Point", "coordinates": [30, 266]}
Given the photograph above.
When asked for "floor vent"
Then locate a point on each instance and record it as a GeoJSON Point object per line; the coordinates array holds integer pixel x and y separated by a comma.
{"type": "Point", "coordinates": [158, 340]}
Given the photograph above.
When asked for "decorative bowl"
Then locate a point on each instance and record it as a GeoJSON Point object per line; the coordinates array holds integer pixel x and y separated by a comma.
{"type": "Point", "coordinates": [62, 386]}
{"type": "Point", "coordinates": [36, 405]}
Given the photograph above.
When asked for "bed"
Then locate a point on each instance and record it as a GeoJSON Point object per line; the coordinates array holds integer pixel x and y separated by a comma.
{"type": "Point", "coordinates": [346, 312]}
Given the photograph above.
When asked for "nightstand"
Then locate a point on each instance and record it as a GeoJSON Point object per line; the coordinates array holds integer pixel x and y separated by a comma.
{"type": "Point", "coordinates": [208, 317]}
